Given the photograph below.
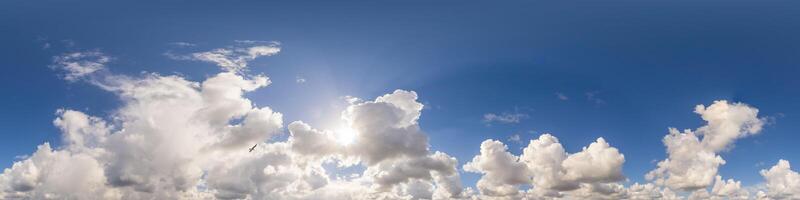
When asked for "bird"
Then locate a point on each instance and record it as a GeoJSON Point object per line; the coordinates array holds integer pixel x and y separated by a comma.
{"type": "Point", "coordinates": [254, 147]}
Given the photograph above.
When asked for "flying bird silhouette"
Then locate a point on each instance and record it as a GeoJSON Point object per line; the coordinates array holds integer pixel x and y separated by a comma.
{"type": "Point", "coordinates": [254, 147]}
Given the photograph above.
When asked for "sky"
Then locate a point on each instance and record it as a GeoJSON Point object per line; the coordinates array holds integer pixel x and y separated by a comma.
{"type": "Point", "coordinates": [86, 78]}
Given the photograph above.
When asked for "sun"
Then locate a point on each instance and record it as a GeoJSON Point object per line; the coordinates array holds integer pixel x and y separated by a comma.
{"type": "Point", "coordinates": [345, 135]}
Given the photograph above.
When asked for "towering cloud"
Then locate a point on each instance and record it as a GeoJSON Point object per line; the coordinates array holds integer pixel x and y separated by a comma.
{"type": "Point", "coordinates": [390, 143]}
{"type": "Point", "coordinates": [693, 161]}
{"type": "Point", "coordinates": [177, 139]}
{"type": "Point", "coordinates": [173, 138]}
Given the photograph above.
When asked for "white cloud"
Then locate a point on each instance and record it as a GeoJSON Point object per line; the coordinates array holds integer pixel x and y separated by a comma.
{"type": "Point", "coordinates": [80, 130]}
{"type": "Point", "coordinates": [689, 166]}
{"type": "Point", "coordinates": [183, 44]}
{"type": "Point", "coordinates": [173, 138]}
{"type": "Point", "coordinates": [561, 96]}
{"type": "Point", "coordinates": [233, 58]}
{"type": "Point", "coordinates": [693, 162]}
{"type": "Point", "coordinates": [198, 149]}
{"type": "Point", "coordinates": [781, 181]}
{"type": "Point", "coordinates": [502, 171]}
{"type": "Point", "coordinates": [77, 65]}
{"type": "Point", "coordinates": [147, 152]}
{"type": "Point", "coordinates": [300, 79]}
{"type": "Point", "coordinates": [515, 138]}
{"type": "Point", "coordinates": [726, 123]}
{"type": "Point", "coordinates": [592, 97]}
{"type": "Point", "coordinates": [597, 163]}
{"type": "Point", "coordinates": [311, 142]}
{"type": "Point", "coordinates": [650, 191]}
{"type": "Point", "coordinates": [728, 189]}
{"type": "Point", "coordinates": [506, 118]}
{"type": "Point", "coordinates": [548, 168]}
{"type": "Point", "coordinates": [545, 156]}
{"type": "Point", "coordinates": [394, 149]}
{"type": "Point", "coordinates": [55, 174]}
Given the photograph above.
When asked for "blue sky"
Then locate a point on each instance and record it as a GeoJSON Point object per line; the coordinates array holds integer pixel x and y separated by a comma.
{"type": "Point", "coordinates": [628, 69]}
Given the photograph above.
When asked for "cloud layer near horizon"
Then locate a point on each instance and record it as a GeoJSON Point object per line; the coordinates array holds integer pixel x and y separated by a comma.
{"type": "Point", "coordinates": [197, 150]}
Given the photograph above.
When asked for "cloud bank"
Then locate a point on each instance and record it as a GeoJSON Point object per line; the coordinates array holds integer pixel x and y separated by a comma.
{"type": "Point", "coordinates": [178, 139]}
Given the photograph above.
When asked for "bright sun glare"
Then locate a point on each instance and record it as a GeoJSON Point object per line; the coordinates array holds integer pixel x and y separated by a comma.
{"type": "Point", "coordinates": [345, 135]}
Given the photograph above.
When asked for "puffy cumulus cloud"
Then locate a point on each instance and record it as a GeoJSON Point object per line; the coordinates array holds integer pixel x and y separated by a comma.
{"type": "Point", "coordinates": [781, 182]}
{"type": "Point", "coordinates": [722, 189]}
{"type": "Point", "coordinates": [705, 194]}
{"type": "Point", "coordinates": [544, 158]}
{"type": "Point", "coordinates": [693, 159]}
{"type": "Point", "coordinates": [501, 170]}
{"type": "Point", "coordinates": [313, 143]}
{"type": "Point", "coordinates": [158, 145]}
{"type": "Point", "coordinates": [726, 123]}
{"type": "Point", "coordinates": [154, 149]}
{"type": "Point", "coordinates": [405, 101]}
{"type": "Point", "coordinates": [551, 172]}
{"type": "Point", "coordinates": [598, 191]}
{"type": "Point", "coordinates": [389, 142]}
{"type": "Point", "coordinates": [178, 139]}
{"type": "Point", "coordinates": [173, 138]}
{"type": "Point", "coordinates": [53, 174]}
{"type": "Point", "coordinates": [554, 169]}
{"type": "Point", "coordinates": [728, 189]}
{"type": "Point", "coordinates": [431, 177]}
{"type": "Point", "coordinates": [689, 166]}
{"type": "Point", "coordinates": [80, 64]}
{"type": "Point", "coordinates": [387, 128]}
{"type": "Point", "coordinates": [80, 130]}
{"type": "Point", "coordinates": [391, 173]}
{"type": "Point", "coordinates": [597, 163]}
{"type": "Point", "coordinates": [270, 172]}
{"type": "Point", "coordinates": [649, 191]}
{"type": "Point", "coordinates": [258, 124]}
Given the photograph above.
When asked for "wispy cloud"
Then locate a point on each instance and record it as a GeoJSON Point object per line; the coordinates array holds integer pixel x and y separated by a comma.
{"type": "Point", "coordinates": [183, 44]}
{"type": "Point", "coordinates": [233, 58]}
{"type": "Point", "coordinates": [561, 96]}
{"type": "Point", "coordinates": [251, 42]}
{"type": "Point", "coordinates": [506, 118]}
{"type": "Point", "coordinates": [68, 43]}
{"type": "Point", "coordinates": [593, 97]}
{"type": "Point", "coordinates": [515, 138]}
{"type": "Point", "coordinates": [44, 41]}
{"type": "Point", "coordinates": [80, 64]}
{"type": "Point", "coordinates": [199, 149]}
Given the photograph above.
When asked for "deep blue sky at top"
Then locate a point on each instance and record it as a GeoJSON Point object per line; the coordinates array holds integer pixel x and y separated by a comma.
{"type": "Point", "coordinates": [648, 62]}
